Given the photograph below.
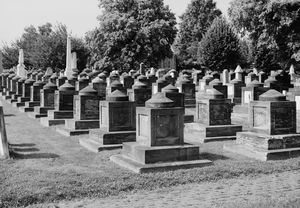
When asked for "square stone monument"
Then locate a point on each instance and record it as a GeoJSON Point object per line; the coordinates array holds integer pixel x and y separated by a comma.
{"type": "Point", "coordinates": [159, 140]}
{"type": "Point", "coordinates": [212, 119]}
{"type": "Point", "coordinates": [86, 114]}
{"type": "Point", "coordinates": [272, 133]}
{"type": "Point", "coordinates": [117, 123]}
{"type": "Point", "coordinates": [35, 95]}
{"type": "Point", "coordinates": [63, 106]}
{"type": "Point", "coordinates": [139, 93]}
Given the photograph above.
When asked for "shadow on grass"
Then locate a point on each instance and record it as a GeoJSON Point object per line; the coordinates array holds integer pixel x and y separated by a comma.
{"type": "Point", "coordinates": [22, 145]}
{"type": "Point", "coordinates": [213, 157]}
{"type": "Point", "coordinates": [30, 149]}
{"type": "Point", "coordinates": [19, 156]}
{"type": "Point", "coordinates": [9, 115]}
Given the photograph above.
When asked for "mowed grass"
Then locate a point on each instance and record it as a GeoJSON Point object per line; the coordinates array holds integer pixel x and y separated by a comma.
{"type": "Point", "coordinates": [50, 167]}
{"type": "Point", "coordinates": [31, 181]}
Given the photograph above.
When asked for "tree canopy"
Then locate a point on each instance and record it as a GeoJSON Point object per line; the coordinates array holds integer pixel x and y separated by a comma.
{"type": "Point", "coordinates": [220, 47]}
{"type": "Point", "coordinates": [273, 27]}
{"type": "Point", "coordinates": [131, 32]}
{"type": "Point", "coordinates": [44, 46]}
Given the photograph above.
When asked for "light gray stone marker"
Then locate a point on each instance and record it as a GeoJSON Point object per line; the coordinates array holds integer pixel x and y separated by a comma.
{"type": "Point", "coordinates": [4, 151]}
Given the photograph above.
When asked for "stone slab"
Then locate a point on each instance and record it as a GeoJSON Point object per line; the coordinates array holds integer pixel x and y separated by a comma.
{"type": "Point", "coordinates": [196, 132]}
{"type": "Point", "coordinates": [45, 121]}
{"type": "Point", "coordinates": [188, 118]}
{"type": "Point", "coordinates": [96, 147]}
{"type": "Point", "coordinates": [263, 155]}
{"type": "Point", "coordinates": [24, 109]}
{"type": "Point", "coordinates": [18, 104]}
{"type": "Point", "coordinates": [32, 103]}
{"type": "Point", "coordinates": [141, 168]}
{"type": "Point", "coordinates": [54, 114]}
{"type": "Point", "coordinates": [112, 138]}
{"type": "Point", "coordinates": [82, 124]}
{"type": "Point", "coordinates": [67, 132]}
{"type": "Point", "coordinates": [36, 115]}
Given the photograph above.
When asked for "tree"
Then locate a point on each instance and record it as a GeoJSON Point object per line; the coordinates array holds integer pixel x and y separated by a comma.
{"type": "Point", "coordinates": [220, 47]}
{"type": "Point", "coordinates": [44, 47]}
{"type": "Point", "coordinates": [131, 32]}
{"type": "Point", "coordinates": [273, 28]}
{"type": "Point", "coordinates": [194, 23]}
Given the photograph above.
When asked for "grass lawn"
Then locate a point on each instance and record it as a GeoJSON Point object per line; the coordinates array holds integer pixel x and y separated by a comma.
{"type": "Point", "coordinates": [50, 167]}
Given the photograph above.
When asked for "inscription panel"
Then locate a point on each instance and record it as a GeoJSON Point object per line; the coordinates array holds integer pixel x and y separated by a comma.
{"type": "Point", "coordinates": [260, 117]}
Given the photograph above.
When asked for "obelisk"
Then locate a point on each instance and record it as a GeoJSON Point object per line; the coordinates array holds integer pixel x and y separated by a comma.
{"type": "Point", "coordinates": [21, 67]}
{"type": "Point", "coordinates": [68, 71]}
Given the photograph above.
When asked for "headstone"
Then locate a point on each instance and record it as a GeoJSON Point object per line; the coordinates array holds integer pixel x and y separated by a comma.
{"type": "Point", "coordinates": [234, 90]}
{"type": "Point", "coordinates": [74, 61]}
{"type": "Point", "coordinates": [187, 87]}
{"type": "Point", "coordinates": [99, 84]}
{"type": "Point", "coordinates": [218, 85]}
{"type": "Point", "coordinates": [4, 149]}
{"type": "Point", "coordinates": [272, 134]}
{"type": "Point", "coordinates": [173, 94]}
{"type": "Point", "coordinates": [252, 91]}
{"type": "Point", "coordinates": [127, 81]}
{"type": "Point", "coordinates": [158, 85]}
{"type": "Point", "coordinates": [159, 139]}
{"type": "Point", "coordinates": [63, 106]}
{"type": "Point", "coordinates": [117, 123]}
{"type": "Point", "coordinates": [1, 64]}
{"type": "Point", "coordinates": [86, 114]}
{"type": "Point", "coordinates": [225, 77]}
{"type": "Point", "coordinates": [139, 93]}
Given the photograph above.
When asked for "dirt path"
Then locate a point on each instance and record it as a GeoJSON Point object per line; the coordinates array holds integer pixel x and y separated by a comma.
{"type": "Point", "coordinates": [224, 193]}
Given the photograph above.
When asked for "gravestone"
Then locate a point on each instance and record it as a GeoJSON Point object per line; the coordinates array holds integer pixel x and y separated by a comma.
{"type": "Point", "coordinates": [46, 101]}
{"type": "Point", "coordinates": [9, 91]}
{"type": "Point", "coordinates": [187, 87]}
{"type": "Point", "coordinates": [234, 90]}
{"type": "Point", "coordinates": [250, 77]}
{"type": "Point", "coordinates": [53, 78]}
{"type": "Point", "coordinates": [127, 81]}
{"type": "Point", "coordinates": [218, 85]}
{"type": "Point", "coordinates": [262, 76]}
{"type": "Point", "coordinates": [212, 119]}
{"type": "Point", "coordinates": [26, 89]}
{"type": "Point", "coordinates": [14, 90]}
{"type": "Point", "coordinates": [173, 94]}
{"type": "Point", "coordinates": [117, 123]}
{"type": "Point", "coordinates": [159, 140]}
{"type": "Point", "coordinates": [115, 85]}
{"type": "Point", "coordinates": [139, 93]}
{"type": "Point", "coordinates": [272, 133]}
{"type": "Point", "coordinates": [143, 79]}
{"type": "Point", "coordinates": [204, 82]}
{"type": "Point", "coordinates": [151, 79]}
{"type": "Point", "coordinates": [61, 80]}
{"type": "Point", "coordinates": [19, 93]}
{"type": "Point", "coordinates": [34, 97]}
{"type": "Point", "coordinates": [81, 83]}
{"type": "Point", "coordinates": [4, 147]}
{"type": "Point", "coordinates": [252, 91]}
{"type": "Point", "coordinates": [99, 84]}
{"type": "Point", "coordinates": [86, 114]}
{"type": "Point", "coordinates": [63, 106]}
{"type": "Point", "coordinates": [158, 85]}
{"type": "Point", "coordinates": [225, 77]}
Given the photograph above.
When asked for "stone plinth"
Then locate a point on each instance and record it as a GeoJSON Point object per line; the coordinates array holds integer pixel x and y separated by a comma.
{"type": "Point", "coordinates": [127, 81]}
{"type": "Point", "coordinates": [86, 115]}
{"type": "Point", "coordinates": [139, 93]}
{"type": "Point", "coordinates": [159, 140]}
{"type": "Point", "coordinates": [99, 84]}
{"type": "Point", "coordinates": [218, 85]}
{"type": "Point", "coordinates": [252, 91]}
{"type": "Point", "coordinates": [272, 133]}
{"type": "Point", "coordinates": [187, 87]}
{"type": "Point", "coordinates": [234, 89]}
{"type": "Point", "coordinates": [81, 83]}
{"type": "Point", "coordinates": [25, 93]}
{"type": "Point", "coordinates": [213, 119]}
{"type": "Point", "coordinates": [158, 85]}
{"type": "Point", "coordinates": [115, 85]}
{"type": "Point", "coordinates": [117, 123]}
{"type": "Point", "coordinates": [46, 101]}
{"type": "Point", "coordinates": [63, 106]}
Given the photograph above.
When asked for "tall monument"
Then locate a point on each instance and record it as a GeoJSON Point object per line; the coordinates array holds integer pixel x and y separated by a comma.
{"type": "Point", "coordinates": [68, 71]}
{"type": "Point", "coordinates": [21, 72]}
{"type": "Point", "coordinates": [74, 60]}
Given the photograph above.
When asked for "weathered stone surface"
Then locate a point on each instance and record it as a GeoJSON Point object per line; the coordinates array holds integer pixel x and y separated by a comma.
{"type": "Point", "coordinates": [4, 149]}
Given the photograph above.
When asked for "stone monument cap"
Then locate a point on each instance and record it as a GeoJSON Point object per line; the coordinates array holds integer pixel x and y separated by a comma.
{"type": "Point", "coordinates": [238, 69]}
{"type": "Point", "coordinates": [29, 81]}
{"type": "Point", "coordinates": [50, 86]}
{"type": "Point", "coordinates": [98, 80]}
{"type": "Point", "coordinates": [170, 88]}
{"type": "Point", "coordinates": [213, 94]}
{"type": "Point", "coordinates": [161, 80]}
{"type": "Point", "coordinates": [235, 81]}
{"type": "Point", "coordinates": [272, 95]}
{"type": "Point", "coordinates": [11, 75]}
{"type": "Point", "coordinates": [159, 100]}
{"type": "Point", "coordinates": [215, 82]}
{"type": "Point", "coordinates": [16, 78]}
{"type": "Point", "coordinates": [116, 83]}
{"type": "Point", "coordinates": [255, 83]}
{"type": "Point", "coordinates": [102, 75]}
{"type": "Point", "coordinates": [83, 79]}
{"type": "Point", "coordinates": [88, 91]}
{"type": "Point", "coordinates": [72, 78]}
{"type": "Point", "coordinates": [38, 83]}
{"type": "Point", "coordinates": [66, 87]}
{"type": "Point", "coordinates": [22, 80]}
{"type": "Point", "coordinates": [117, 95]}
{"type": "Point", "coordinates": [139, 85]}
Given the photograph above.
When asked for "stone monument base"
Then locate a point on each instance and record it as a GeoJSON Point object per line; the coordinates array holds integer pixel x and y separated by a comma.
{"type": "Point", "coordinates": [241, 109]}
{"type": "Point", "coordinates": [40, 112]}
{"type": "Point", "coordinates": [266, 147]}
{"type": "Point", "coordinates": [199, 133]}
{"type": "Point", "coordinates": [101, 140]}
{"type": "Point", "coordinates": [29, 106]}
{"type": "Point", "coordinates": [21, 101]}
{"type": "Point", "coordinates": [190, 103]}
{"type": "Point", "coordinates": [143, 159]}
{"type": "Point", "coordinates": [236, 100]}
{"type": "Point", "coordinates": [56, 118]}
{"type": "Point", "coordinates": [77, 127]}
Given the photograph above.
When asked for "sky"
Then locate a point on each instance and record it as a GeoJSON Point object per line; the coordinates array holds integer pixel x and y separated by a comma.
{"type": "Point", "coordinates": [79, 15]}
